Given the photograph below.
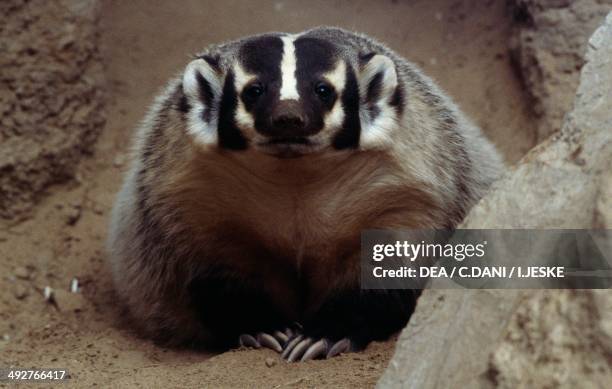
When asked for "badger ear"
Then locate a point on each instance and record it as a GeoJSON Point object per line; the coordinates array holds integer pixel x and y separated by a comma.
{"type": "Point", "coordinates": [202, 86]}
{"type": "Point", "coordinates": [377, 85]}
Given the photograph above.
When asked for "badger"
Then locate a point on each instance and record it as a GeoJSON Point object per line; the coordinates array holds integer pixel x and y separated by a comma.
{"type": "Point", "coordinates": [253, 175]}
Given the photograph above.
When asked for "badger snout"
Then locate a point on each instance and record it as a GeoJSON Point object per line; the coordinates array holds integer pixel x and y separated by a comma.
{"type": "Point", "coordinates": [288, 122]}
{"type": "Point", "coordinates": [288, 133]}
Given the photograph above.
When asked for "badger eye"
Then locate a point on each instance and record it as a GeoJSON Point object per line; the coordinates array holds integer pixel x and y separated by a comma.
{"type": "Point", "coordinates": [253, 91]}
{"type": "Point", "coordinates": [324, 91]}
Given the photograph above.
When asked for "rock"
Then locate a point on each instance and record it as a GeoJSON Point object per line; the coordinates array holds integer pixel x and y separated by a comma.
{"type": "Point", "coordinates": [92, 352]}
{"type": "Point", "coordinates": [556, 339]}
{"type": "Point", "coordinates": [270, 362]}
{"type": "Point", "coordinates": [20, 291]}
{"type": "Point", "coordinates": [98, 209]}
{"type": "Point", "coordinates": [564, 338]}
{"type": "Point", "coordinates": [68, 302]}
{"type": "Point", "coordinates": [72, 215]}
{"type": "Point", "coordinates": [51, 100]}
{"type": "Point", "coordinates": [548, 47]}
{"type": "Point", "coordinates": [603, 206]}
{"type": "Point", "coordinates": [558, 183]}
{"type": "Point", "coordinates": [74, 285]}
{"type": "Point", "coordinates": [544, 338]}
{"type": "Point", "coordinates": [48, 293]}
{"type": "Point", "coordinates": [22, 272]}
{"type": "Point", "coordinates": [445, 342]}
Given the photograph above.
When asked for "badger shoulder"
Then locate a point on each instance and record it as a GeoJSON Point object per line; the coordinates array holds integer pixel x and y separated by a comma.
{"type": "Point", "coordinates": [433, 137]}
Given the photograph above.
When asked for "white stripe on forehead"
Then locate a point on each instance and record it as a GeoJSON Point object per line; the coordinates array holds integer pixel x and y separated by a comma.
{"type": "Point", "coordinates": [288, 66]}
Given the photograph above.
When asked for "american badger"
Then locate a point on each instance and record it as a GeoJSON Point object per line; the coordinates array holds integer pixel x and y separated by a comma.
{"type": "Point", "coordinates": [253, 175]}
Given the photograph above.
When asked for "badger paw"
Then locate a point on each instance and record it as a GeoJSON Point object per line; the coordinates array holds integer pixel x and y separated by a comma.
{"type": "Point", "coordinates": [274, 341]}
{"type": "Point", "coordinates": [301, 348]}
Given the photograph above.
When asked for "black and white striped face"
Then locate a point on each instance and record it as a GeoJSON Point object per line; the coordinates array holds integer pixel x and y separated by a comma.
{"type": "Point", "coordinates": [291, 95]}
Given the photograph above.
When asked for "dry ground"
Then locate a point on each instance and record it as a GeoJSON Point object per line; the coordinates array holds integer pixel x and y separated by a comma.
{"type": "Point", "coordinates": [462, 44]}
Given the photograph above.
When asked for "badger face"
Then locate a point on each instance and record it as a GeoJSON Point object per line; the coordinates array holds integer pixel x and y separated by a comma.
{"type": "Point", "coordinates": [293, 95]}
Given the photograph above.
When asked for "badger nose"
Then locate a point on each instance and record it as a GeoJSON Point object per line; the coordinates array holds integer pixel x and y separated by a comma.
{"type": "Point", "coordinates": [287, 119]}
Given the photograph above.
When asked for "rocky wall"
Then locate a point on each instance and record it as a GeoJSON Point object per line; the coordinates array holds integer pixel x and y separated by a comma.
{"type": "Point", "coordinates": [51, 96]}
{"type": "Point", "coordinates": [548, 46]}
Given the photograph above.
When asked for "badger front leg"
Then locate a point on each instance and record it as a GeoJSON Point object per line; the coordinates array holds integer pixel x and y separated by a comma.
{"type": "Point", "coordinates": [350, 319]}
{"type": "Point", "coordinates": [237, 312]}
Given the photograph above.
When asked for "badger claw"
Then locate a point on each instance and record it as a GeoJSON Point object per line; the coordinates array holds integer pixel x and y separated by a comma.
{"type": "Point", "coordinates": [299, 349]}
{"type": "Point", "coordinates": [262, 339]}
{"type": "Point", "coordinates": [269, 341]}
{"type": "Point", "coordinates": [316, 350]}
{"type": "Point", "coordinates": [281, 337]}
{"type": "Point", "coordinates": [291, 345]}
{"type": "Point", "coordinates": [305, 349]}
{"type": "Point", "coordinates": [341, 346]}
{"type": "Point", "coordinates": [246, 340]}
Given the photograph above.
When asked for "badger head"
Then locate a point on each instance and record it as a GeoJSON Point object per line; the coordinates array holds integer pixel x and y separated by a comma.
{"type": "Point", "coordinates": [293, 95]}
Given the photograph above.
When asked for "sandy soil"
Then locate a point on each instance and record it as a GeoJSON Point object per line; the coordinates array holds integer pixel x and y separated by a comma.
{"type": "Point", "coordinates": [462, 44]}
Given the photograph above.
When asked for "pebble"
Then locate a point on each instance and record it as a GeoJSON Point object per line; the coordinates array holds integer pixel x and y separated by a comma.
{"type": "Point", "coordinates": [119, 160]}
{"type": "Point", "coordinates": [20, 292]}
{"type": "Point", "coordinates": [47, 293]}
{"type": "Point", "coordinates": [68, 302]}
{"type": "Point", "coordinates": [74, 285]}
{"type": "Point", "coordinates": [271, 362]}
{"type": "Point", "coordinates": [22, 273]}
{"type": "Point", "coordinates": [66, 41]}
{"type": "Point", "coordinates": [98, 209]}
{"type": "Point", "coordinates": [73, 214]}
{"type": "Point", "coordinates": [78, 177]}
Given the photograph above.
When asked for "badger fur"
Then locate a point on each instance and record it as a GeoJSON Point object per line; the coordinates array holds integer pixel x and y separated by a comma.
{"type": "Point", "coordinates": [253, 175]}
